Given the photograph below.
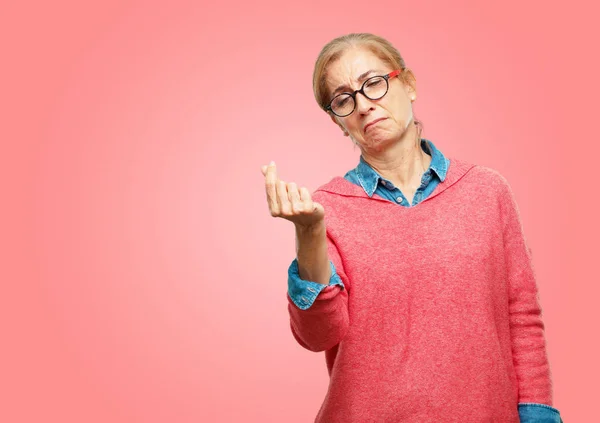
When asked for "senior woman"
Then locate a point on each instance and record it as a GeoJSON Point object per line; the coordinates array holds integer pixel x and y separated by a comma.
{"type": "Point", "coordinates": [412, 271]}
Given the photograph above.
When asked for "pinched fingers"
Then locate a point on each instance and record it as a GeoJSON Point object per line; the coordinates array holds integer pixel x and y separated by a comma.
{"type": "Point", "coordinates": [287, 200]}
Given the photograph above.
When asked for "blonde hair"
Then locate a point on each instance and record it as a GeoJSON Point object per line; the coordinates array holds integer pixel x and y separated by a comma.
{"type": "Point", "coordinates": [332, 51]}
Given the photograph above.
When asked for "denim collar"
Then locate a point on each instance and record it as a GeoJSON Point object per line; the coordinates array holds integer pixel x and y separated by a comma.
{"type": "Point", "coordinates": [369, 178]}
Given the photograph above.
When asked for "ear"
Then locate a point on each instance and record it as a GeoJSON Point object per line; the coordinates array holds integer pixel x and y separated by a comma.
{"type": "Point", "coordinates": [410, 84]}
{"type": "Point", "coordinates": [334, 119]}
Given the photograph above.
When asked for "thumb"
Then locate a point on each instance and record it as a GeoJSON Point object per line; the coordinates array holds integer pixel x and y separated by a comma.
{"type": "Point", "coordinates": [317, 207]}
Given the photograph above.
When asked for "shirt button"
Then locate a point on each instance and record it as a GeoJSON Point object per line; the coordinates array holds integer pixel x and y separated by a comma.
{"type": "Point", "coordinates": [399, 199]}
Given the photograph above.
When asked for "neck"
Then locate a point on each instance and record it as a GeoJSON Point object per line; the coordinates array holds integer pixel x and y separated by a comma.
{"type": "Point", "coordinates": [404, 162]}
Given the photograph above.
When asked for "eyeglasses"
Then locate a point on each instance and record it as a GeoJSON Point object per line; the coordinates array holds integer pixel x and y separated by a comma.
{"type": "Point", "coordinates": [373, 88]}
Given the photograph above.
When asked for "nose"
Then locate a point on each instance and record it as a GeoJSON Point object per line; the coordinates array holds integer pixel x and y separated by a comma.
{"type": "Point", "coordinates": [363, 104]}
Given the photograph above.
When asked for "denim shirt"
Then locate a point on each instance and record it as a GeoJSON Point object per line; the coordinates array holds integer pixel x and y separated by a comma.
{"type": "Point", "coordinates": [373, 183]}
{"type": "Point", "coordinates": [303, 292]}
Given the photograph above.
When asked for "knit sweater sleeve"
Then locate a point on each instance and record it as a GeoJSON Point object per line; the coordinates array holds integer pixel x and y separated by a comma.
{"type": "Point", "coordinates": [526, 325]}
{"type": "Point", "coordinates": [302, 292]}
{"type": "Point", "coordinates": [325, 323]}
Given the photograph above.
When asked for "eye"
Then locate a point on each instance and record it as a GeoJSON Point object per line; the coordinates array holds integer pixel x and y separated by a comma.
{"type": "Point", "coordinates": [341, 101]}
{"type": "Point", "coordinates": [374, 83]}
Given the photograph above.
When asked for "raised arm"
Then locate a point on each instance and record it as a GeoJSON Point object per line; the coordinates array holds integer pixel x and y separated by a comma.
{"type": "Point", "coordinates": [318, 299]}
{"type": "Point", "coordinates": [322, 322]}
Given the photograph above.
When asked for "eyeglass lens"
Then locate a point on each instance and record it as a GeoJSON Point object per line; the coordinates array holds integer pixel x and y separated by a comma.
{"type": "Point", "coordinates": [374, 88]}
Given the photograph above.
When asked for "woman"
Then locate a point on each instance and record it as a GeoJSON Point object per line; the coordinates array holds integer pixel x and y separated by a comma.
{"type": "Point", "coordinates": [412, 271]}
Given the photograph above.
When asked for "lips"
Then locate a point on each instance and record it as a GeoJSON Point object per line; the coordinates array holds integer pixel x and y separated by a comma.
{"type": "Point", "coordinates": [373, 122]}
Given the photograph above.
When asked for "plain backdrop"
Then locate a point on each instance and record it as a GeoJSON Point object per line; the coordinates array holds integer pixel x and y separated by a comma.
{"type": "Point", "coordinates": [143, 278]}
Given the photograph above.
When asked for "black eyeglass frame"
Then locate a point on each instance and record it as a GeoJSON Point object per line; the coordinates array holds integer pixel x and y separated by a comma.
{"type": "Point", "coordinates": [353, 94]}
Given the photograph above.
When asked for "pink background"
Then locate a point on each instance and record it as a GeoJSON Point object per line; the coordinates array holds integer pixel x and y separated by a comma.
{"type": "Point", "coordinates": [143, 279]}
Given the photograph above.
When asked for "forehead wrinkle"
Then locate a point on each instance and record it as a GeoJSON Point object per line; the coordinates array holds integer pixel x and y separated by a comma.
{"type": "Point", "coordinates": [360, 78]}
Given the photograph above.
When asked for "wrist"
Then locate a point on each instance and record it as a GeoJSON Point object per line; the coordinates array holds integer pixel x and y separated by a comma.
{"type": "Point", "coordinates": [312, 229]}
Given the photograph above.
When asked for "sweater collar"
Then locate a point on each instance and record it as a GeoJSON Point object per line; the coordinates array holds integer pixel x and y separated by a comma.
{"type": "Point", "coordinates": [454, 172]}
{"type": "Point", "coordinates": [369, 178]}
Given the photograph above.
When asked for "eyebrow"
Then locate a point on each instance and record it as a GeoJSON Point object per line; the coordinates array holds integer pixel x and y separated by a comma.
{"type": "Point", "coordinates": [360, 78]}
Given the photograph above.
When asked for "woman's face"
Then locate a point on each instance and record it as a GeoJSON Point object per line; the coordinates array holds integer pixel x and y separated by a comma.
{"type": "Point", "coordinates": [394, 108]}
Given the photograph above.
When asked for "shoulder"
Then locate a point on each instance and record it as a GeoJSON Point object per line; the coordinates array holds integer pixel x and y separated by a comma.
{"type": "Point", "coordinates": [329, 185]}
{"type": "Point", "coordinates": [337, 187]}
{"type": "Point", "coordinates": [489, 174]}
{"type": "Point", "coordinates": [487, 177]}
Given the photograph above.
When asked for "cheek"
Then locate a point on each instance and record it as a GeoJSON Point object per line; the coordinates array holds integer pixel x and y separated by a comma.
{"type": "Point", "coordinates": [353, 125]}
{"type": "Point", "coordinates": [401, 112]}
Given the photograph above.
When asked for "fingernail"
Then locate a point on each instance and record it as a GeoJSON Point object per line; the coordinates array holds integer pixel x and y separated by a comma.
{"type": "Point", "coordinates": [272, 163]}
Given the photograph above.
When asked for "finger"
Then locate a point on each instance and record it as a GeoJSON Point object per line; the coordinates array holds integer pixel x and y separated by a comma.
{"type": "Point", "coordinates": [271, 188]}
{"type": "Point", "coordinates": [294, 197]}
{"type": "Point", "coordinates": [273, 169]}
{"type": "Point", "coordinates": [285, 206]}
{"type": "Point", "coordinates": [306, 199]}
{"type": "Point", "coordinates": [263, 169]}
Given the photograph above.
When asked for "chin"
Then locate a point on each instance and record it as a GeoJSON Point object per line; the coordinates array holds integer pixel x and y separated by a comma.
{"type": "Point", "coordinates": [378, 143]}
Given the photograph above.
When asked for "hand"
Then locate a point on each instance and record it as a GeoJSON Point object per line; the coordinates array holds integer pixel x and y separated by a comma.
{"type": "Point", "coordinates": [286, 201]}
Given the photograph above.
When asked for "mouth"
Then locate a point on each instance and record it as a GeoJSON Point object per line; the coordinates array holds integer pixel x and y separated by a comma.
{"type": "Point", "coordinates": [372, 123]}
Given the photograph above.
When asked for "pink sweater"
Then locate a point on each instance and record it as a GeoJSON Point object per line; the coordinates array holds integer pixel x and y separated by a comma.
{"type": "Point", "coordinates": [439, 318]}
